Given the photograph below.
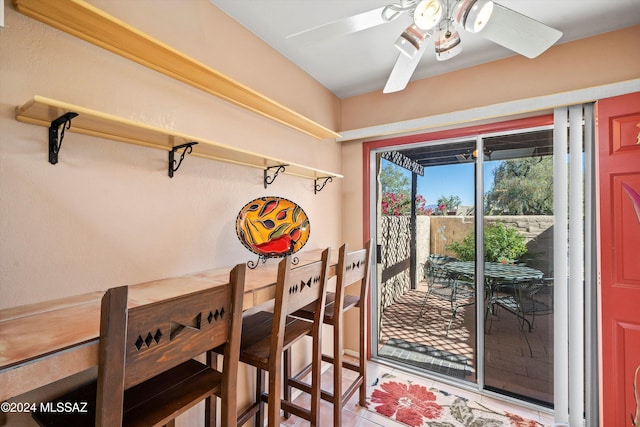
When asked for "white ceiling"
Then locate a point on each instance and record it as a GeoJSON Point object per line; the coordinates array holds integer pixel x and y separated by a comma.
{"type": "Point", "coordinates": [360, 62]}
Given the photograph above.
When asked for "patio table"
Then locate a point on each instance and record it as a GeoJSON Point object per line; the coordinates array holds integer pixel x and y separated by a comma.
{"type": "Point", "coordinates": [495, 272]}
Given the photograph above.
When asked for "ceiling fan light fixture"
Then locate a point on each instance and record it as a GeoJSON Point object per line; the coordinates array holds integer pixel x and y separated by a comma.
{"type": "Point", "coordinates": [478, 15]}
{"type": "Point", "coordinates": [447, 43]}
{"type": "Point", "coordinates": [427, 14]}
{"type": "Point", "coordinates": [410, 40]}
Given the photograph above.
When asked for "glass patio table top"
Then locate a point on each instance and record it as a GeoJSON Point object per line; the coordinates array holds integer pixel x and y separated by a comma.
{"type": "Point", "coordinates": [495, 271]}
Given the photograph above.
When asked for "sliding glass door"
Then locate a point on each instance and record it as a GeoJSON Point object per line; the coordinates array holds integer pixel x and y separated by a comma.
{"type": "Point", "coordinates": [518, 264]}
{"type": "Point", "coordinates": [468, 309]}
{"type": "Point", "coordinates": [427, 313]}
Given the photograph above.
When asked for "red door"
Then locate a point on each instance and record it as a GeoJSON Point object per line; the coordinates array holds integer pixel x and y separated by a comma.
{"type": "Point", "coordinates": [618, 142]}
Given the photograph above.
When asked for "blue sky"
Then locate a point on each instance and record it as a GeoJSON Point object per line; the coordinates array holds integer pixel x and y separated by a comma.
{"type": "Point", "coordinates": [447, 180]}
{"type": "Point", "coordinates": [455, 179]}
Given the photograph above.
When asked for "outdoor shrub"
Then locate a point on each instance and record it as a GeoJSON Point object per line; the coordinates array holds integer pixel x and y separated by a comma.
{"type": "Point", "coordinates": [501, 244]}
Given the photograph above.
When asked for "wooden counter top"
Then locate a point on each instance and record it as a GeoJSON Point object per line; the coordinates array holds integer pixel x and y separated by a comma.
{"type": "Point", "coordinates": [44, 342]}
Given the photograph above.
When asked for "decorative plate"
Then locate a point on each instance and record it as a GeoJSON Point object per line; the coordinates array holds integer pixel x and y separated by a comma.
{"type": "Point", "coordinates": [272, 227]}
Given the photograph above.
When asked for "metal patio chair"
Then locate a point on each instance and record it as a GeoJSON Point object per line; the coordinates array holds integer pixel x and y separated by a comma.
{"type": "Point", "coordinates": [527, 300]}
{"type": "Point", "coordinates": [457, 289]}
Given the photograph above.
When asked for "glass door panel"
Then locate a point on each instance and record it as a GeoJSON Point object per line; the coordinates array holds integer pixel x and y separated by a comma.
{"type": "Point", "coordinates": [518, 268]}
{"type": "Point", "coordinates": [429, 323]}
{"type": "Point", "coordinates": [427, 293]}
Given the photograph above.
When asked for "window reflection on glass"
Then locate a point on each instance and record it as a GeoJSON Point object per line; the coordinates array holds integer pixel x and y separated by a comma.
{"type": "Point", "coordinates": [518, 234]}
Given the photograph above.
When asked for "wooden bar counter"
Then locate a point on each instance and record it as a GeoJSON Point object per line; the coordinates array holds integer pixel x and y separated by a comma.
{"type": "Point", "coordinates": [45, 342]}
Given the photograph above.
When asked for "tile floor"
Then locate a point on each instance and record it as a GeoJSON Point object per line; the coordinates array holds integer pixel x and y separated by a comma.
{"type": "Point", "coordinates": [355, 415]}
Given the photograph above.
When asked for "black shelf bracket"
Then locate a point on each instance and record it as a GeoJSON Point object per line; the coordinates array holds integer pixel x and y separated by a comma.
{"type": "Point", "coordinates": [317, 188]}
{"type": "Point", "coordinates": [55, 140]}
{"type": "Point", "coordinates": [186, 149]}
{"type": "Point", "coordinates": [263, 259]}
{"type": "Point", "coordinates": [268, 180]}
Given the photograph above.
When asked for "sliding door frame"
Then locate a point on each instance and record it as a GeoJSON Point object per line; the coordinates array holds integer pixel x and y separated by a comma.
{"type": "Point", "coordinates": [370, 149]}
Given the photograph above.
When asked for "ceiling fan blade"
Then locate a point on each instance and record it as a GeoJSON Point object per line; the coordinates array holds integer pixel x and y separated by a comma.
{"type": "Point", "coordinates": [403, 70]}
{"type": "Point", "coordinates": [518, 32]}
{"type": "Point", "coordinates": [340, 27]}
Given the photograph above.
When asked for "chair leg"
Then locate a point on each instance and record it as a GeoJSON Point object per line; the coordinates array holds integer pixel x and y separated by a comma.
{"type": "Point", "coordinates": [259, 390]}
{"type": "Point", "coordinates": [210, 408]}
{"type": "Point", "coordinates": [446, 334]}
{"type": "Point", "coordinates": [454, 311]}
{"type": "Point", "coordinates": [362, 357]}
{"type": "Point", "coordinates": [422, 308]}
{"type": "Point", "coordinates": [524, 334]}
{"type": "Point", "coordinates": [488, 311]}
{"type": "Point", "coordinates": [316, 386]}
{"type": "Point", "coordinates": [210, 412]}
{"type": "Point", "coordinates": [521, 322]}
{"type": "Point", "coordinates": [338, 349]}
{"type": "Point", "coordinates": [286, 360]}
{"type": "Point", "coordinates": [533, 319]}
{"type": "Point", "coordinates": [274, 388]}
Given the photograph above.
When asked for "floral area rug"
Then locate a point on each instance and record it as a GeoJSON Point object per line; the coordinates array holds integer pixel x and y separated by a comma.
{"type": "Point", "coordinates": [416, 405]}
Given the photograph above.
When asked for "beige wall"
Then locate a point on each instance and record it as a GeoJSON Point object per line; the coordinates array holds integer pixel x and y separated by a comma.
{"type": "Point", "coordinates": [107, 214]}
{"type": "Point", "coordinates": [595, 61]}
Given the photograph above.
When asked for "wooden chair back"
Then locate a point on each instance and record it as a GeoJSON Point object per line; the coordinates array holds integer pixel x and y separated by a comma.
{"type": "Point", "coordinates": [300, 286]}
{"type": "Point", "coordinates": [138, 343]}
{"type": "Point", "coordinates": [297, 288]}
{"type": "Point", "coordinates": [353, 268]}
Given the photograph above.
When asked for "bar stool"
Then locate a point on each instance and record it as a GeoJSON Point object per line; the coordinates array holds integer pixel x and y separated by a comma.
{"type": "Point", "coordinates": [353, 268]}
{"type": "Point", "coordinates": [146, 372]}
{"type": "Point", "coordinates": [265, 336]}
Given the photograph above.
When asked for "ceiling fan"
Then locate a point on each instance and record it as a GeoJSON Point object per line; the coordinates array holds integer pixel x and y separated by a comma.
{"type": "Point", "coordinates": [440, 21]}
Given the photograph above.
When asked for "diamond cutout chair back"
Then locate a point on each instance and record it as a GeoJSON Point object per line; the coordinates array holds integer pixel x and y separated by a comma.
{"type": "Point", "coordinates": [352, 290]}
{"type": "Point", "coordinates": [266, 337]}
{"type": "Point", "coordinates": [146, 371]}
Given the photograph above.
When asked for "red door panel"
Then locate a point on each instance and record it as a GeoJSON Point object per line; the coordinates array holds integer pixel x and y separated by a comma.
{"type": "Point", "coordinates": [618, 142]}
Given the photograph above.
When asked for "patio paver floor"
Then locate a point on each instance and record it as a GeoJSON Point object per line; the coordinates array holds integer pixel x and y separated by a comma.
{"type": "Point", "coordinates": [509, 367]}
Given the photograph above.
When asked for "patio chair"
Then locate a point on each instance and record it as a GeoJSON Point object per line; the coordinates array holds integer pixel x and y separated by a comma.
{"type": "Point", "coordinates": [527, 300]}
{"type": "Point", "coordinates": [457, 289]}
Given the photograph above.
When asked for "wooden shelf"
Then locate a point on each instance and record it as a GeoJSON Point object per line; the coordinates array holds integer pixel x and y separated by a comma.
{"type": "Point", "coordinates": [42, 111]}
{"type": "Point", "coordinates": [93, 25]}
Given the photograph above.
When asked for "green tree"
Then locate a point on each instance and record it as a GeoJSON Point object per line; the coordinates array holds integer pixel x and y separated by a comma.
{"type": "Point", "coordinates": [394, 179]}
{"type": "Point", "coordinates": [396, 192]}
{"type": "Point", "coordinates": [396, 189]}
{"type": "Point", "coordinates": [522, 187]}
{"type": "Point", "coordinates": [446, 203]}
